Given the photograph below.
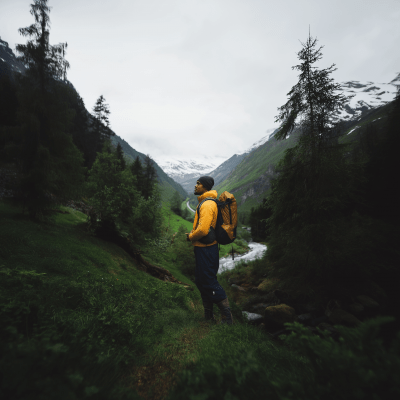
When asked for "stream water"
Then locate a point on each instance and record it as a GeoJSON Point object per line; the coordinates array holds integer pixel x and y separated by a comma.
{"type": "Point", "coordinates": [256, 251]}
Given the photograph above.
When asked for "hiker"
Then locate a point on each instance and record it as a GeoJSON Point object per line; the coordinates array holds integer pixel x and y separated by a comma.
{"type": "Point", "coordinates": [207, 255]}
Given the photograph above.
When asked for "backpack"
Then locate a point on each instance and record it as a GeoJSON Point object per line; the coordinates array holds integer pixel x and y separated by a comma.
{"type": "Point", "coordinates": [225, 228]}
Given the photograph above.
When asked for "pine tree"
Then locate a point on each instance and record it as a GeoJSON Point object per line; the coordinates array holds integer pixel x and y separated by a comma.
{"type": "Point", "coordinates": [100, 123]}
{"type": "Point", "coordinates": [176, 201]}
{"type": "Point", "coordinates": [137, 171]}
{"type": "Point", "coordinates": [120, 156]}
{"type": "Point", "coordinates": [149, 177]}
{"type": "Point", "coordinates": [51, 164]}
{"type": "Point", "coordinates": [314, 181]}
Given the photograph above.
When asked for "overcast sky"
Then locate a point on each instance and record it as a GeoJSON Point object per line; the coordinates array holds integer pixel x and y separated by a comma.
{"type": "Point", "coordinates": [186, 78]}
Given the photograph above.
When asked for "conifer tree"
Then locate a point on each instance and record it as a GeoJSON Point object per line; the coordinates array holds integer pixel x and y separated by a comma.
{"type": "Point", "coordinates": [176, 201]}
{"type": "Point", "coordinates": [51, 164]}
{"type": "Point", "coordinates": [314, 181]}
{"type": "Point", "coordinates": [120, 157]}
{"type": "Point", "coordinates": [149, 177]}
{"type": "Point", "coordinates": [137, 171]}
{"type": "Point", "coordinates": [100, 123]}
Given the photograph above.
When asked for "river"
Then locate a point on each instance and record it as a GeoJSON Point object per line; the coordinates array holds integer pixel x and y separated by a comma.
{"type": "Point", "coordinates": [256, 251]}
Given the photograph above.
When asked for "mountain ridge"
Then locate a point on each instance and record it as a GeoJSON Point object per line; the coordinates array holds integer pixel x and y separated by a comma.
{"type": "Point", "coordinates": [10, 65]}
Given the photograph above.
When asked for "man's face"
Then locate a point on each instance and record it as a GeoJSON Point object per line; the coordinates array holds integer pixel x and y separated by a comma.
{"type": "Point", "coordinates": [199, 189]}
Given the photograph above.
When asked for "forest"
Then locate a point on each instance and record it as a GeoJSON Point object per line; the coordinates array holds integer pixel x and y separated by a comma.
{"type": "Point", "coordinates": [97, 294]}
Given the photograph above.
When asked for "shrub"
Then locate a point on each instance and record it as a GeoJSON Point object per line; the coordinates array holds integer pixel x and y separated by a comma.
{"type": "Point", "coordinates": [357, 366]}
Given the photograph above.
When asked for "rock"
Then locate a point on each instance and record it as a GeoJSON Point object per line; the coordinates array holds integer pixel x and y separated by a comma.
{"type": "Point", "coordinates": [356, 308]}
{"type": "Point", "coordinates": [304, 318]}
{"type": "Point", "coordinates": [278, 315]}
{"type": "Point", "coordinates": [367, 302]}
{"type": "Point", "coordinates": [260, 307]}
{"type": "Point", "coordinates": [267, 285]}
{"type": "Point", "coordinates": [253, 318]}
{"type": "Point", "coordinates": [341, 317]}
{"type": "Point", "coordinates": [234, 286]}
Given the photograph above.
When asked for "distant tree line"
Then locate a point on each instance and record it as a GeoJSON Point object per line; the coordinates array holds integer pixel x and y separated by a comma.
{"type": "Point", "coordinates": [60, 150]}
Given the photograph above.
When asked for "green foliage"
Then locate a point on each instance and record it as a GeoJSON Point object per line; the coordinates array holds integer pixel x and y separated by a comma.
{"type": "Point", "coordinates": [117, 203]}
{"type": "Point", "coordinates": [51, 164]}
{"type": "Point", "coordinates": [182, 253]}
{"type": "Point", "coordinates": [258, 221]}
{"type": "Point", "coordinates": [315, 183]}
{"type": "Point", "coordinates": [236, 364]}
{"type": "Point", "coordinates": [176, 201]}
{"type": "Point", "coordinates": [243, 234]}
{"type": "Point", "coordinates": [75, 308]}
{"type": "Point", "coordinates": [100, 122]}
{"type": "Point", "coordinates": [120, 156]}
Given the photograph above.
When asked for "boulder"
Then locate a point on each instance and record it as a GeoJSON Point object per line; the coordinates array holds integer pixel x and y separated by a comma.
{"type": "Point", "coordinates": [253, 318]}
{"type": "Point", "coordinates": [267, 285]}
{"type": "Point", "coordinates": [304, 318]}
{"type": "Point", "coordinates": [341, 317]}
{"type": "Point", "coordinates": [260, 307]}
{"type": "Point", "coordinates": [278, 315]}
{"type": "Point", "coordinates": [237, 287]}
{"type": "Point", "coordinates": [367, 302]}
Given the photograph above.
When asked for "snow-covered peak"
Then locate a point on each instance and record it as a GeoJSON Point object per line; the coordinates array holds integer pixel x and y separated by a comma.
{"type": "Point", "coordinates": [200, 166]}
{"type": "Point", "coordinates": [367, 95]}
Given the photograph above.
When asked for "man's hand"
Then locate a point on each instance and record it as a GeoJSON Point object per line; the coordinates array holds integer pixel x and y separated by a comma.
{"type": "Point", "coordinates": [187, 236]}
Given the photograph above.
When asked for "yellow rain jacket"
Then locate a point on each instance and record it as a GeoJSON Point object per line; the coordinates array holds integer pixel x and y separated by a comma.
{"type": "Point", "coordinates": [208, 217]}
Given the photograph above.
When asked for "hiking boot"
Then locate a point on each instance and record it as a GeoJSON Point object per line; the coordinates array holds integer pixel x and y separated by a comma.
{"type": "Point", "coordinates": [225, 312]}
{"type": "Point", "coordinates": [208, 311]}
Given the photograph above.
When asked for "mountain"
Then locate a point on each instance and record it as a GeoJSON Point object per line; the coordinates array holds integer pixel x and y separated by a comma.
{"type": "Point", "coordinates": [167, 184]}
{"type": "Point", "coordinates": [8, 61]}
{"type": "Point", "coordinates": [367, 96]}
{"type": "Point", "coordinates": [186, 172]}
{"type": "Point", "coordinates": [10, 65]}
{"type": "Point", "coordinates": [250, 179]}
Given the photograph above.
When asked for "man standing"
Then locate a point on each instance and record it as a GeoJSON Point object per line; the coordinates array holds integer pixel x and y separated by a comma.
{"type": "Point", "coordinates": [206, 252]}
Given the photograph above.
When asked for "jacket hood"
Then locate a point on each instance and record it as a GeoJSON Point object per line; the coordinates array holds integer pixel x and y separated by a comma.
{"type": "Point", "coordinates": [210, 193]}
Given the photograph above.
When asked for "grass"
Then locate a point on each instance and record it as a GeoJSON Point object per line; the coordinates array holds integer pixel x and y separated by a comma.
{"type": "Point", "coordinates": [81, 311]}
{"type": "Point", "coordinates": [87, 294]}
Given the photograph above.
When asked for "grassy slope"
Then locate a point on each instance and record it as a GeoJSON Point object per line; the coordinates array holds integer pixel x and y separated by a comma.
{"type": "Point", "coordinates": [93, 296]}
{"type": "Point", "coordinates": [78, 309]}
{"type": "Point", "coordinates": [85, 286]}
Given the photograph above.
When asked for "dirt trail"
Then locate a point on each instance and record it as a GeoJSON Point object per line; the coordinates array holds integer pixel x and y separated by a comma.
{"type": "Point", "coordinates": [155, 380]}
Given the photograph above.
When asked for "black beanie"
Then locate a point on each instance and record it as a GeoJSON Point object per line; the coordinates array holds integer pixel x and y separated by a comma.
{"type": "Point", "coordinates": [207, 182]}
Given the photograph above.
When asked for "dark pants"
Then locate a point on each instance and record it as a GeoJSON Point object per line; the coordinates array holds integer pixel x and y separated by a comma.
{"type": "Point", "coordinates": [207, 264]}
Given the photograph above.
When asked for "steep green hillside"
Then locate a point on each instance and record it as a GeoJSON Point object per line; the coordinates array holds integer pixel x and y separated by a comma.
{"type": "Point", "coordinates": [167, 184]}
{"type": "Point", "coordinates": [250, 180]}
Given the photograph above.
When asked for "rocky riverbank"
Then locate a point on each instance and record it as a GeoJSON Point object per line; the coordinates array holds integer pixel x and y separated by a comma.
{"type": "Point", "coordinates": [269, 307]}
